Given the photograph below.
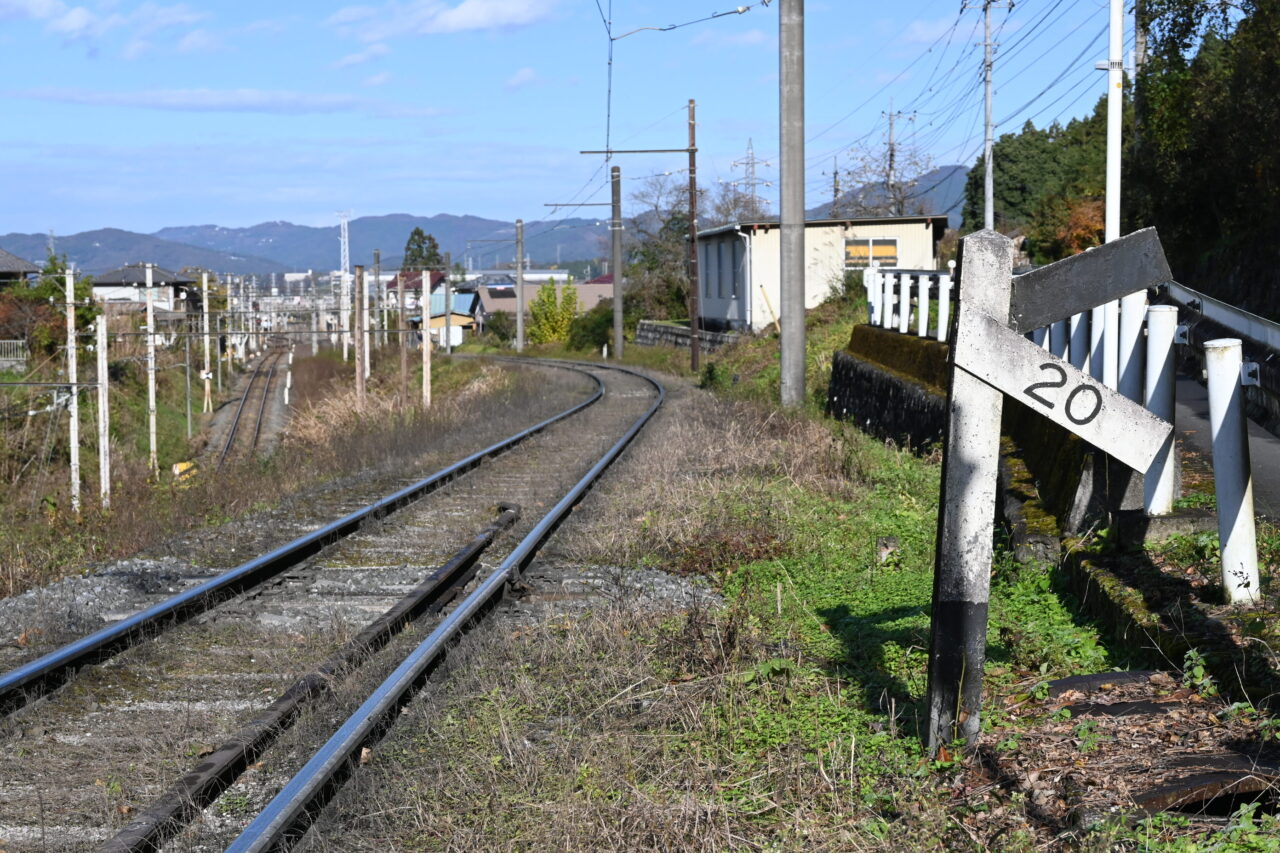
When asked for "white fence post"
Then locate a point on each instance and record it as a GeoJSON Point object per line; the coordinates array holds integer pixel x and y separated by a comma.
{"type": "Point", "coordinates": [904, 302]}
{"type": "Point", "coordinates": [1059, 343]}
{"type": "Point", "coordinates": [1079, 347]}
{"type": "Point", "coordinates": [922, 305]}
{"type": "Point", "coordinates": [1158, 484]}
{"type": "Point", "coordinates": [1232, 479]}
{"type": "Point", "coordinates": [944, 300]}
{"type": "Point", "coordinates": [873, 296]}
{"type": "Point", "coordinates": [887, 298]}
{"type": "Point", "coordinates": [1133, 312]}
{"type": "Point", "coordinates": [1110, 344]}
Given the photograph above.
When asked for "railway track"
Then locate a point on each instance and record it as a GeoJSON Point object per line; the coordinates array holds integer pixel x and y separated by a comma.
{"type": "Point", "coordinates": [245, 431]}
{"type": "Point", "coordinates": [96, 757]}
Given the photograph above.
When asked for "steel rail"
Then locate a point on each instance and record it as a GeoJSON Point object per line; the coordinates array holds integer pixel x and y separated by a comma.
{"type": "Point", "coordinates": [235, 422]}
{"type": "Point", "coordinates": [262, 407]}
{"type": "Point", "coordinates": [20, 685]}
{"type": "Point", "coordinates": [204, 783]}
{"type": "Point", "coordinates": [284, 820]}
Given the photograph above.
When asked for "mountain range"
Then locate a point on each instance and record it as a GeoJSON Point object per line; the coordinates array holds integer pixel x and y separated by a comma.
{"type": "Point", "coordinates": [277, 247]}
{"type": "Point", "coordinates": [938, 191]}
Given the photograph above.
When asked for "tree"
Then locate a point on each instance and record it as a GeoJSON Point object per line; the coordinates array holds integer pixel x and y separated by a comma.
{"type": "Point", "coordinates": [879, 186]}
{"type": "Point", "coordinates": [421, 252]}
{"type": "Point", "coordinates": [728, 204]}
{"type": "Point", "coordinates": [657, 250]}
{"type": "Point", "coordinates": [551, 315]}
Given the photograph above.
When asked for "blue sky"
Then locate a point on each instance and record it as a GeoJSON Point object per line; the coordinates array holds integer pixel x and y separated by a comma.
{"type": "Point", "coordinates": [140, 115]}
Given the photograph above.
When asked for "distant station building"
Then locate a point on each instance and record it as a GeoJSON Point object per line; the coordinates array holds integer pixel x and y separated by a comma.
{"type": "Point", "coordinates": [739, 278]}
{"type": "Point", "coordinates": [125, 289]}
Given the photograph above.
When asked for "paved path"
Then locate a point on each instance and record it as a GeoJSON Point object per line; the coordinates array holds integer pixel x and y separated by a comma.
{"type": "Point", "coordinates": [1191, 419]}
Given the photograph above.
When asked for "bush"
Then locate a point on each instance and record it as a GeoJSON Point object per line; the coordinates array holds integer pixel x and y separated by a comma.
{"type": "Point", "coordinates": [593, 329]}
{"type": "Point", "coordinates": [501, 325]}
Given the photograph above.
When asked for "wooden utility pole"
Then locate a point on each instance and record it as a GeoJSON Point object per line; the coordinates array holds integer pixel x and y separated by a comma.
{"type": "Point", "coordinates": [361, 351]}
{"type": "Point", "coordinates": [73, 404]}
{"type": "Point", "coordinates": [695, 308]}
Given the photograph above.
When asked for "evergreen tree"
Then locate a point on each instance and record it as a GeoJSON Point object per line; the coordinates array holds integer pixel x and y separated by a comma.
{"type": "Point", "coordinates": [421, 252]}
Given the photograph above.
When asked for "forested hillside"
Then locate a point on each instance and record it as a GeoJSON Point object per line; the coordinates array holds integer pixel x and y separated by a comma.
{"type": "Point", "coordinates": [1201, 161]}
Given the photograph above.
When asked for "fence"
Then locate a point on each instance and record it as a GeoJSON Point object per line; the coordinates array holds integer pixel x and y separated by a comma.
{"type": "Point", "coordinates": [892, 294]}
{"type": "Point", "coordinates": [1129, 345]}
{"type": "Point", "coordinates": [13, 355]}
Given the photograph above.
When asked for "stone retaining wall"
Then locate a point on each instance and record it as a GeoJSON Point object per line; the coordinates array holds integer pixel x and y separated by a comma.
{"type": "Point", "coordinates": [652, 333]}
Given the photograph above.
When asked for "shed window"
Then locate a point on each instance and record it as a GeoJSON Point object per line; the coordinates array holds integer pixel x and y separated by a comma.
{"type": "Point", "coordinates": [860, 252]}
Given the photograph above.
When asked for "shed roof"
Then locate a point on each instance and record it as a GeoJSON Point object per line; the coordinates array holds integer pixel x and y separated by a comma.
{"type": "Point", "coordinates": [10, 263]}
{"type": "Point", "coordinates": [136, 274]}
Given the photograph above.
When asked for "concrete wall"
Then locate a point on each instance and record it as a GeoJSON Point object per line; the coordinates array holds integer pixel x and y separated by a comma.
{"type": "Point", "coordinates": [650, 333]}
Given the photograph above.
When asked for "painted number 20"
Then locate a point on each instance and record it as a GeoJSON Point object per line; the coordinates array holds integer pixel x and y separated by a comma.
{"type": "Point", "coordinates": [1033, 389]}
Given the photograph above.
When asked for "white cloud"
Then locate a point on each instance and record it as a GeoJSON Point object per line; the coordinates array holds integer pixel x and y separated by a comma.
{"type": "Point", "coordinates": [524, 77]}
{"type": "Point", "coordinates": [276, 102]}
{"type": "Point", "coordinates": [427, 17]}
{"type": "Point", "coordinates": [373, 51]}
{"type": "Point", "coordinates": [380, 79]}
{"type": "Point", "coordinates": [199, 41]}
{"type": "Point", "coordinates": [81, 23]}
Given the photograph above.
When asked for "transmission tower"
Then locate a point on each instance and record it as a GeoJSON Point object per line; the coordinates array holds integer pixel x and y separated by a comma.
{"type": "Point", "coordinates": [751, 161]}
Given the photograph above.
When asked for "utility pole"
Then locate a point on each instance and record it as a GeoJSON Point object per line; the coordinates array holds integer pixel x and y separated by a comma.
{"type": "Point", "coordinates": [426, 342]}
{"type": "Point", "coordinates": [402, 338]}
{"type": "Point", "coordinates": [791, 132]}
{"type": "Point", "coordinates": [615, 254]}
{"type": "Point", "coordinates": [695, 321]}
{"type": "Point", "coordinates": [448, 304]}
{"type": "Point", "coordinates": [104, 417]}
{"type": "Point", "coordinates": [345, 298]}
{"type": "Point", "coordinates": [152, 456]}
{"type": "Point", "coordinates": [73, 404]}
{"type": "Point", "coordinates": [361, 343]}
{"type": "Point", "coordinates": [988, 143]}
{"type": "Point", "coordinates": [895, 202]}
{"type": "Point", "coordinates": [835, 188]}
{"type": "Point", "coordinates": [519, 285]}
{"type": "Point", "coordinates": [380, 293]}
{"type": "Point", "coordinates": [204, 326]}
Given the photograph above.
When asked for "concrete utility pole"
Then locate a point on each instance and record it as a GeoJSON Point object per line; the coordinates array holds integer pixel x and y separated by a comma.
{"type": "Point", "coordinates": [519, 285]}
{"type": "Point", "coordinates": [73, 405]}
{"type": "Point", "coordinates": [426, 349]}
{"type": "Point", "coordinates": [615, 254]}
{"type": "Point", "coordinates": [204, 326]}
{"type": "Point", "coordinates": [104, 417]}
{"type": "Point", "coordinates": [380, 296]}
{"type": "Point", "coordinates": [988, 143]}
{"type": "Point", "coordinates": [791, 131]}
{"type": "Point", "coordinates": [361, 342]}
{"type": "Point", "coordinates": [152, 456]}
{"type": "Point", "coordinates": [448, 304]}
{"type": "Point", "coordinates": [695, 309]}
{"type": "Point", "coordinates": [403, 339]}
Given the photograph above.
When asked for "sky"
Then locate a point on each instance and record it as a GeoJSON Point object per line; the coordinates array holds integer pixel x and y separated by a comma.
{"type": "Point", "coordinates": [141, 115]}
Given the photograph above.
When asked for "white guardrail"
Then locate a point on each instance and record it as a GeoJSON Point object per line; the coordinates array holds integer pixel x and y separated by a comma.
{"type": "Point", "coordinates": [1094, 341]}
{"type": "Point", "coordinates": [13, 352]}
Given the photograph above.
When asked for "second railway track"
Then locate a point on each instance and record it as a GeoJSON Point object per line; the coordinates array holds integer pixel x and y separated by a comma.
{"type": "Point", "coordinates": [97, 752]}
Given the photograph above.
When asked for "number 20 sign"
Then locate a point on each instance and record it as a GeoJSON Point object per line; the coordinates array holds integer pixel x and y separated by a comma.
{"type": "Point", "coordinates": [1065, 395]}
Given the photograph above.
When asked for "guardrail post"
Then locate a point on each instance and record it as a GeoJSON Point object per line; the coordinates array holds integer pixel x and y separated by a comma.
{"type": "Point", "coordinates": [922, 305]}
{"type": "Point", "coordinates": [904, 302]}
{"type": "Point", "coordinates": [1158, 486]}
{"type": "Point", "coordinates": [1059, 343]}
{"type": "Point", "coordinates": [1133, 311]}
{"type": "Point", "coordinates": [1110, 344]}
{"type": "Point", "coordinates": [1232, 479]}
{"type": "Point", "coordinates": [873, 296]}
{"type": "Point", "coordinates": [944, 301]}
{"type": "Point", "coordinates": [1078, 349]}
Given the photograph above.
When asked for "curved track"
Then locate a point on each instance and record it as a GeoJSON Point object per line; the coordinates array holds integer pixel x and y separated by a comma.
{"type": "Point", "coordinates": [101, 751]}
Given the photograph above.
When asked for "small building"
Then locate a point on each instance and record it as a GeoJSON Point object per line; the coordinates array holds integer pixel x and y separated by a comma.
{"type": "Point", "coordinates": [125, 289]}
{"type": "Point", "coordinates": [411, 281]}
{"type": "Point", "coordinates": [739, 265]}
{"type": "Point", "coordinates": [501, 298]}
{"type": "Point", "coordinates": [14, 270]}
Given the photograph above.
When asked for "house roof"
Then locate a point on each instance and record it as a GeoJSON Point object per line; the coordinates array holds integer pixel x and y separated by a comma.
{"type": "Point", "coordinates": [462, 303]}
{"type": "Point", "coordinates": [938, 221]}
{"type": "Point", "coordinates": [136, 275]}
{"type": "Point", "coordinates": [13, 264]}
{"type": "Point", "coordinates": [413, 280]}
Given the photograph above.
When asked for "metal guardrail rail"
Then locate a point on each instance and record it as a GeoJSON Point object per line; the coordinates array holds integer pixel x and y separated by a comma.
{"type": "Point", "coordinates": [1236, 319]}
{"type": "Point", "coordinates": [287, 817]}
{"type": "Point", "coordinates": [20, 685]}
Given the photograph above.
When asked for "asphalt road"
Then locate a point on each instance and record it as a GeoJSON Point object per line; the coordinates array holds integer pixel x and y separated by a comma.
{"type": "Point", "coordinates": [1191, 420]}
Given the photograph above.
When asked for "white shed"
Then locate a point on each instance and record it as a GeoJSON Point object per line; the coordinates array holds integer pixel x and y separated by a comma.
{"type": "Point", "coordinates": [739, 265]}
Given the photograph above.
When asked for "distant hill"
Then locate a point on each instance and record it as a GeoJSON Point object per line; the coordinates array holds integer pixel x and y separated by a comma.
{"type": "Point", "coordinates": [939, 191]}
{"type": "Point", "coordinates": [109, 248]}
{"type": "Point", "coordinates": [302, 247]}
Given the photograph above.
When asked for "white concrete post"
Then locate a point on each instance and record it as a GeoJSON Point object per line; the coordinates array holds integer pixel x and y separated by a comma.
{"type": "Point", "coordinates": [922, 305]}
{"type": "Point", "coordinates": [1040, 337]}
{"type": "Point", "coordinates": [104, 418]}
{"type": "Point", "coordinates": [1110, 344]}
{"type": "Point", "coordinates": [426, 354]}
{"type": "Point", "coordinates": [1232, 478]}
{"type": "Point", "coordinates": [73, 405]}
{"type": "Point", "coordinates": [1133, 312]}
{"type": "Point", "coordinates": [204, 326]}
{"type": "Point", "coordinates": [1158, 484]}
{"type": "Point", "coordinates": [1078, 348]}
{"type": "Point", "coordinates": [873, 296]}
{"type": "Point", "coordinates": [152, 455]}
{"type": "Point", "coordinates": [1098, 342]}
{"type": "Point", "coordinates": [944, 300]}
{"type": "Point", "coordinates": [1059, 343]}
{"type": "Point", "coordinates": [904, 302]}
{"type": "Point", "coordinates": [887, 299]}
